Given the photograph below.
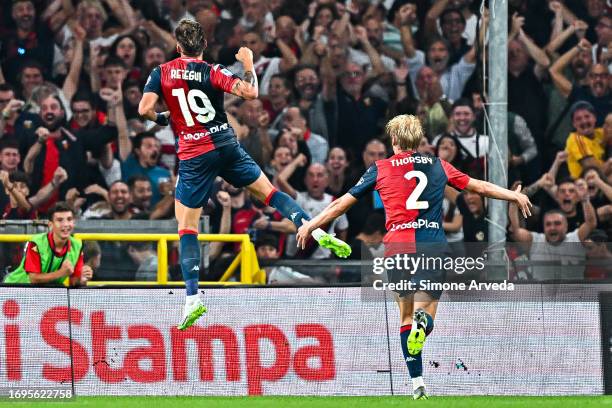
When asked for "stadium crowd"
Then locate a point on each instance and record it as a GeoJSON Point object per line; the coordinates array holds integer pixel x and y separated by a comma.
{"type": "Point", "coordinates": [331, 74]}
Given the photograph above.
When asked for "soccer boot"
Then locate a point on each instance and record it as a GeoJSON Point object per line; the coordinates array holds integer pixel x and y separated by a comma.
{"type": "Point", "coordinates": [419, 394]}
{"type": "Point", "coordinates": [416, 338]}
{"type": "Point", "coordinates": [191, 314]}
{"type": "Point", "coordinates": [340, 248]}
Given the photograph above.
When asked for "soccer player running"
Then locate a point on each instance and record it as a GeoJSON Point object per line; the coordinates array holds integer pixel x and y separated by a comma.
{"type": "Point", "coordinates": [207, 147]}
{"type": "Point", "coordinates": [411, 186]}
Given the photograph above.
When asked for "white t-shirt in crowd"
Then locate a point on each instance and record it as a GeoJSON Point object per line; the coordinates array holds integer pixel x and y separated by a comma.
{"type": "Point", "coordinates": [570, 254]}
{"type": "Point", "coordinates": [469, 144]}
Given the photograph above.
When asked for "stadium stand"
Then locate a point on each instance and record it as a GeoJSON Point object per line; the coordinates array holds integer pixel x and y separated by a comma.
{"type": "Point", "coordinates": [331, 75]}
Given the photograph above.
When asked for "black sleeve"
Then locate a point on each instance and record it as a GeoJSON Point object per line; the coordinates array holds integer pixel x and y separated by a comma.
{"type": "Point", "coordinates": [154, 82]}
{"type": "Point", "coordinates": [95, 139]}
{"type": "Point", "coordinates": [461, 205]}
{"type": "Point", "coordinates": [366, 183]}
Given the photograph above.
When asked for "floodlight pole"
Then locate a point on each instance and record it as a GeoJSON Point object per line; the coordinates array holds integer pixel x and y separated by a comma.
{"type": "Point", "coordinates": [497, 162]}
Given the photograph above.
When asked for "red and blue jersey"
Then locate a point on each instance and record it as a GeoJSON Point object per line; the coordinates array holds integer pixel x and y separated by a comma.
{"type": "Point", "coordinates": [194, 91]}
{"type": "Point", "coordinates": [411, 187]}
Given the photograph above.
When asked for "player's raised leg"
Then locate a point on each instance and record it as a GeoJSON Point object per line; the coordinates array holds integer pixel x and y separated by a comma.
{"type": "Point", "coordinates": [414, 362]}
{"type": "Point", "coordinates": [423, 321]}
{"type": "Point", "coordinates": [415, 329]}
{"type": "Point", "coordinates": [289, 208]}
{"type": "Point", "coordinates": [189, 247]}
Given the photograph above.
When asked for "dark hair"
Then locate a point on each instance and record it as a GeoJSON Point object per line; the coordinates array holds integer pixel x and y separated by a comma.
{"type": "Point", "coordinates": [31, 64]}
{"type": "Point", "coordinates": [57, 99]}
{"type": "Point", "coordinates": [337, 147]}
{"type": "Point", "coordinates": [566, 180]}
{"type": "Point", "coordinates": [286, 81]}
{"type": "Point", "coordinates": [302, 67]}
{"type": "Point", "coordinates": [332, 9]}
{"type": "Point", "coordinates": [276, 146]}
{"type": "Point", "coordinates": [463, 102]}
{"type": "Point", "coordinates": [82, 96]}
{"type": "Point", "coordinates": [299, 68]}
{"type": "Point", "coordinates": [114, 61]}
{"type": "Point", "coordinates": [91, 249]}
{"type": "Point", "coordinates": [450, 11]}
{"type": "Point", "coordinates": [598, 235]}
{"type": "Point", "coordinates": [137, 140]}
{"type": "Point", "coordinates": [6, 87]}
{"type": "Point", "coordinates": [446, 136]}
{"type": "Point", "coordinates": [438, 39]}
{"type": "Point", "coordinates": [581, 105]}
{"type": "Point", "coordinates": [129, 83]}
{"type": "Point", "coordinates": [138, 57]}
{"type": "Point", "coordinates": [266, 239]}
{"type": "Point", "coordinates": [9, 144]}
{"type": "Point", "coordinates": [397, 5]}
{"type": "Point", "coordinates": [255, 31]}
{"type": "Point", "coordinates": [135, 178]}
{"type": "Point", "coordinates": [375, 222]}
{"type": "Point", "coordinates": [554, 211]}
{"type": "Point", "coordinates": [150, 47]}
{"type": "Point", "coordinates": [116, 182]}
{"type": "Point", "coordinates": [141, 246]}
{"type": "Point", "coordinates": [60, 206]}
{"type": "Point", "coordinates": [153, 45]}
{"type": "Point", "coordinates": [23, 1]}
{"type": "Point", "coordinates": [19, 177]}
{"type": "Point", "coordinates": [303, 114]}
{"type": "Point", "coordinates": [190, 36]}
{"type": "Point", "coordinates": [585, 170]}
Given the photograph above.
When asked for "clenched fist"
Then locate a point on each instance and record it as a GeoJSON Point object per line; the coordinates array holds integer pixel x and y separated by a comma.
{"type": "Point", "coordinates": [244, 55]}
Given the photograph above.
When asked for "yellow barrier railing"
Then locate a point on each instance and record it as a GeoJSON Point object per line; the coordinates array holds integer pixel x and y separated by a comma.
{"type": "Point", "coordinates": [250, 272]}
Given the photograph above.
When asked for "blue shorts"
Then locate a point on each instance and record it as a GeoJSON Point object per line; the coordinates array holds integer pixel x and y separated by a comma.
{"type": "Point", "coordinates": [196, 176]}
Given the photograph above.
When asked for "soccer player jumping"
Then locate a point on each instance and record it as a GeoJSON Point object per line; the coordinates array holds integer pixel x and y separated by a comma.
{"type": "Point", "coordinates": [207, 147]}
{"type": "Point", "coordinates": [411, 186]}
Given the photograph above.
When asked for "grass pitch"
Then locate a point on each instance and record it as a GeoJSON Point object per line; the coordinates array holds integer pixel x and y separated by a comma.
{"type": "Point", "coordinates": [320, 402]}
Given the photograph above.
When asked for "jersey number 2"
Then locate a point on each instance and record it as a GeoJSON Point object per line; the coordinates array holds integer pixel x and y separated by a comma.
{"type": "Point", "coordinates": [411, 202]}
{"type": "Point", "coordinates": [190, 104]}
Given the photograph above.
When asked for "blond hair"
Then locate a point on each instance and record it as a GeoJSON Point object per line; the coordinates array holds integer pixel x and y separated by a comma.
{"type": "Point", "coordinates": [405, 131]}
{"type": "Point", "coordinates": [86, 4]}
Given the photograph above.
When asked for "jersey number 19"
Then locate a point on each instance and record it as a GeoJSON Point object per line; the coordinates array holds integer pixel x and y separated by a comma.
{"type": "Point", "coordinates": [189, 104]}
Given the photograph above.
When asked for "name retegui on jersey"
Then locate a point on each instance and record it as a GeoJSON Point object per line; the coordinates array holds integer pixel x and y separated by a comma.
{"type": "Point", "coordinates": [185, 74]}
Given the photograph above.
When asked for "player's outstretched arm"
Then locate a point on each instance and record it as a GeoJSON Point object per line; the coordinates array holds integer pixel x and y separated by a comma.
{"type": "Point", "coordinates": [246, 88]}
{"type": "Point", "coordinates": [146, 109]}
{"type": "Point", "coordinates": [519, 234]}
{"type": "Point", "coordinates": [493, 191]}
{"type": "Point", "coordinates": [330, 213]}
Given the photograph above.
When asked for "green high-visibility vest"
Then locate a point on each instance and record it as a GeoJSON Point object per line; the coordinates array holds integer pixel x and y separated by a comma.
{"type": "Point", "coordinates": [49, 262]}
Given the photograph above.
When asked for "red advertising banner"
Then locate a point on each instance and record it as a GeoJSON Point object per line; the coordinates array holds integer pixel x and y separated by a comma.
{"type": "Point", "coordinates": [301, 341]}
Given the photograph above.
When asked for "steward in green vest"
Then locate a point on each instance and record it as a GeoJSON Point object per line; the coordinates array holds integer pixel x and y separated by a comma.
{"type": "Point", "coordinates": [54, 257]}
